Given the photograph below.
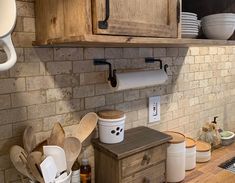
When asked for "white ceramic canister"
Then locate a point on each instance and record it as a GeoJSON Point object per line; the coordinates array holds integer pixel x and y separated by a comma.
{"type": "Point", "coordinates": [75, 176]}
{"type": "Point", "coordinates": [203, 152]}
{"type": "Point", "coordinates": [67, 179]}
{"type": "Point", "coordinates": [175, 163]}
{"type": "Point", "coordinates": [111, 126]}
{"type": "Point", "coordinates": [190, 157]}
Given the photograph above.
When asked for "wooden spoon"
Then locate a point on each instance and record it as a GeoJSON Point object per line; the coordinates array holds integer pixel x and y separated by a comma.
{"type": "Point", "coordinates": [39, 147]}
{"type": "Point", "coordinates": [86, 126]}
{"type": "Point", "coordinates": [72, 148]}
{"type": "Point", "coordinates": [57, 136]}
{"type": "Point", "coordinates": [18, 157]}
{"type": "Point", "coordinates": [34, 160]}
{"type": "Point", "coordinates": [29, 139]}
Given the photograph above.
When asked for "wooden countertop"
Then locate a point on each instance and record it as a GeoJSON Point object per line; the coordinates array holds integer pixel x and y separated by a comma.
{"type": "Point", "coordinates": [135, 140]}
{"type": "Point", "coordinates": [210, 172]}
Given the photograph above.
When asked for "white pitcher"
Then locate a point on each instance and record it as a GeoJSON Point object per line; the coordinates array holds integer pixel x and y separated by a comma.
{"type": "Point", "coordinates": [7, 23]}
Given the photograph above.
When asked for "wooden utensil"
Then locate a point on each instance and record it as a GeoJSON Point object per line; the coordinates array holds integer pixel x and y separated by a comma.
{"type": "Point", "coordinates": [29, 139]}
{"type": "Point", "coordinates": [18, 157]}
{"type": "Point", "coordinates": [57, 136]}
{"type": "Point", "coordinates": [72, 148]}
{"type": "Point", "coordinates": [39, 147]}
{"type": "Point", "coordinates": [34, 160]}
{"type": "Point", "coordinates": [86, 126]}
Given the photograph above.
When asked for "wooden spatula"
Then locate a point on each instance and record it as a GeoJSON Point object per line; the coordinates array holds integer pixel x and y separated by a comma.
{"type": "Point", "coordinates": [57, 136]}
{"type": "Point", "coordinates": [86, 126]}
{"type": "Point", "coordinates": [72, 148]}
{"type": "Point", "coordinates": [18, 157]}
{"type": "Point", "coordinates": [34, 160]}
{"type": "Point", "coordinates": [29, 139]}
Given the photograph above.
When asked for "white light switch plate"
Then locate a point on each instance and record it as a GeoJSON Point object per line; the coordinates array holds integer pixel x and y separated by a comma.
{"type": "Point", "coordinates": [154, 109]}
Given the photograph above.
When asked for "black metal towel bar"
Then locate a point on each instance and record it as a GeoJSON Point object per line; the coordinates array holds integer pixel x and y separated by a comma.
{"type": "Point", "coordinates": [112, 72]}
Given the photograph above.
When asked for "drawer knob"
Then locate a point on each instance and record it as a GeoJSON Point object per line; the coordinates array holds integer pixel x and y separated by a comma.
{"type": "Point", "coordinates": [146, 180]}
{"type": "Point", "coordinates": [146, 159]}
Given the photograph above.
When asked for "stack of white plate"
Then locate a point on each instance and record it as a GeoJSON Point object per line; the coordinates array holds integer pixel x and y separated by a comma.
{"type": "Point", "coordinates": [189, 27]}
{"type": "Point", "coordinates": [218, 26]}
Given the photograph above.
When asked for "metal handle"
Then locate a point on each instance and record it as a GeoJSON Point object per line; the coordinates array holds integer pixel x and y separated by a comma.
{"type": "Point", "coordinates": [146, 180]}
{"type": "Point", "coordinates": [103, 24]}
{"type": "Point", "coordinates": [146, 159]}
{"type": "Point", "coordinates": [152, 60]}
{"type": "Point", "coordinates": [178, 11]}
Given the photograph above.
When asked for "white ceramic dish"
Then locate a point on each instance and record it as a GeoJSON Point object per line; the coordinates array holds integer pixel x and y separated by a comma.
{"type": "Point", "coordinates": [222, 32]}
{"type": "Point", "coordinates": [220, 15]}
{"type": "Point", "coordinates": [189, 13]}
{"type": "Point", "coordinates": [190, 22]}
{"type": "Point", "coordinates": [188, 18]}
{"type": "Point", "coordinates": [189, 35]}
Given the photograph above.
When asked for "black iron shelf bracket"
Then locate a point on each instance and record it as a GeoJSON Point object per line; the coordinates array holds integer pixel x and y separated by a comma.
{"type": "Point", "coordinates": [103, 24]}
{"type": "Point", "coordinates": [112, 73]}
{"type": "Point", "coordinates": [152, 60]}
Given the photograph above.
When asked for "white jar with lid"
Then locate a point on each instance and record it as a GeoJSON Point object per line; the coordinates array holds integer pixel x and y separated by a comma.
{"type": "Point", "coordinates": [190, 157]}
{"type": "Point", "coordinates": [175, 162]}
{"type": "Point", "coordinates": [111, 126]}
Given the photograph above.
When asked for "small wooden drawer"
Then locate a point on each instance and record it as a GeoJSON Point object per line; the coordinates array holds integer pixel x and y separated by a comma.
{"type": "Point", "coordinates": [154, 174]}
{"type": "Point", "coordinates": [143, 160]}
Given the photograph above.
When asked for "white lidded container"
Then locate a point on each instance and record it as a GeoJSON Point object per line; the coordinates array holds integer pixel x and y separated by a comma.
{"type": "Point", "coordinates": [203, 151]}
{"type": "Point", "coordinates": [175, 162]}
{"type": "Point", "coordinates": [190, 157]}
{"type": "Point", "coordinates": [111, 126]}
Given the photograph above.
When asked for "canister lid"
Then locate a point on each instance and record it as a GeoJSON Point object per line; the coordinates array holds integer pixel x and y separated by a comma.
{"type": "Point", "coordinates": [111, 114]}
{"type": "Point", "coordinates": [190, 142]}
{"type": "Point", "coordinates": [176, 137]}
{"type": "Point", "coordinates": [202, 146]}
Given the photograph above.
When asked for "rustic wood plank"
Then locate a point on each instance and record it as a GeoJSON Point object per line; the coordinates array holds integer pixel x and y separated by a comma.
{"type": "Point", "coordinates": [136, 140]}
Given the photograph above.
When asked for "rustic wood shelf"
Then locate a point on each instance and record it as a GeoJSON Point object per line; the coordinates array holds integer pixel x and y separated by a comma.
{"type": "Point", "coordinates": [127, 41]}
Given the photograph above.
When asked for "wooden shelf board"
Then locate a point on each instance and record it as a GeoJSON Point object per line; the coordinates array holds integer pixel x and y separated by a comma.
{"type": "Point", "coordinates": [128, 41]}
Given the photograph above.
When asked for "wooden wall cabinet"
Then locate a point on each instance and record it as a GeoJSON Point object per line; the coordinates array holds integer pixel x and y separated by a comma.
{"type": "Point", "coordinates": [140, 158]}
{"type": "Point", "coordinates": [68, 21]}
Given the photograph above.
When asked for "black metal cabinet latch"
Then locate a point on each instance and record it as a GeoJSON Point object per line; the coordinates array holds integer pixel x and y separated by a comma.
{"type": "Point", "coordinates": [103, 24]}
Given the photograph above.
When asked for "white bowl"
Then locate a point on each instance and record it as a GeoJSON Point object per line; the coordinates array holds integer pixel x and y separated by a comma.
{"type": "Point", "coordinates": [219, 21]}
{"type": "Point", "coordinates": [220, 15]}
{"type": "Point", "coordinates": [218, 31]}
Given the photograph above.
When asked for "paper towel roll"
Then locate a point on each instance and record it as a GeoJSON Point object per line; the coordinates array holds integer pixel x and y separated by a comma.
{"type": "Point", "coordinates": [140, 79]}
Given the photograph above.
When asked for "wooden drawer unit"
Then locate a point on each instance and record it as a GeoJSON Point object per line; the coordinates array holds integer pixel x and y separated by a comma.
{"type": "Point", "coordinates": [154, 174]}
{"type": "Point", "coordinates": [143, 159]}
{"type": "Point", "coordinates": [140, 158]}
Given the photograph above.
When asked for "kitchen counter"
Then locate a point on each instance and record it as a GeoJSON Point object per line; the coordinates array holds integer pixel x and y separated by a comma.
{"type": "Point", "coordinates": [210, 172]}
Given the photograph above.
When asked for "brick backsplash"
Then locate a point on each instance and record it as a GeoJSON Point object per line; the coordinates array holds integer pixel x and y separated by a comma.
{"type": "Point", "coordinates": [61, 84]}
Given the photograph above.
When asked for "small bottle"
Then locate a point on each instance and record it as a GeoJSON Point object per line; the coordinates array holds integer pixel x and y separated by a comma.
{"type": "Point", "coordinates": [85, 169]}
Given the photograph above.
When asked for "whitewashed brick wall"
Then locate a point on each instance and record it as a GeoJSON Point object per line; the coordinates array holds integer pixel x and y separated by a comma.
{"type": "Point", "coordinates": [62, 84]}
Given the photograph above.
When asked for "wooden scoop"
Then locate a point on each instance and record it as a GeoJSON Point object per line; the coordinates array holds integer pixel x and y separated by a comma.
{"type": "Point", "coordinates": [29, 140]}
{"type": "Point", "coordinates": [18, 157]}
{"type": "Point", "coordinates": [57, 136]}
{"type": "Point", "coordinates": [34, 160]}
{"type": "Point", "coordinates": [86, 126]}
{"type": "Point", "coordinates": [72, 148]}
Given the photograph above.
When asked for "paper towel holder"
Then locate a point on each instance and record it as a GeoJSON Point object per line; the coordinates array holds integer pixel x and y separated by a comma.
{"type": "Point", "coordinates": [152, 60]}
{"type": "Point", "coordinates": [112, 72]}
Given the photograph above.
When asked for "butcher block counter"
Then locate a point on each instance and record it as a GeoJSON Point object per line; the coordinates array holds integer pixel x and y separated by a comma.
{"type": "Point", "coordinates": [210, 172]}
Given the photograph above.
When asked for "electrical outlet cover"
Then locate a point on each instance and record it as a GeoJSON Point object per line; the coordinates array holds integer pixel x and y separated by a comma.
{"type": "Point", "coordinates": [154, 109]}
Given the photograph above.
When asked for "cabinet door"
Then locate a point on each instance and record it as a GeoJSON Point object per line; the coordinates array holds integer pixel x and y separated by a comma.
{"type": "Point", "coordinates": [155, 18]}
